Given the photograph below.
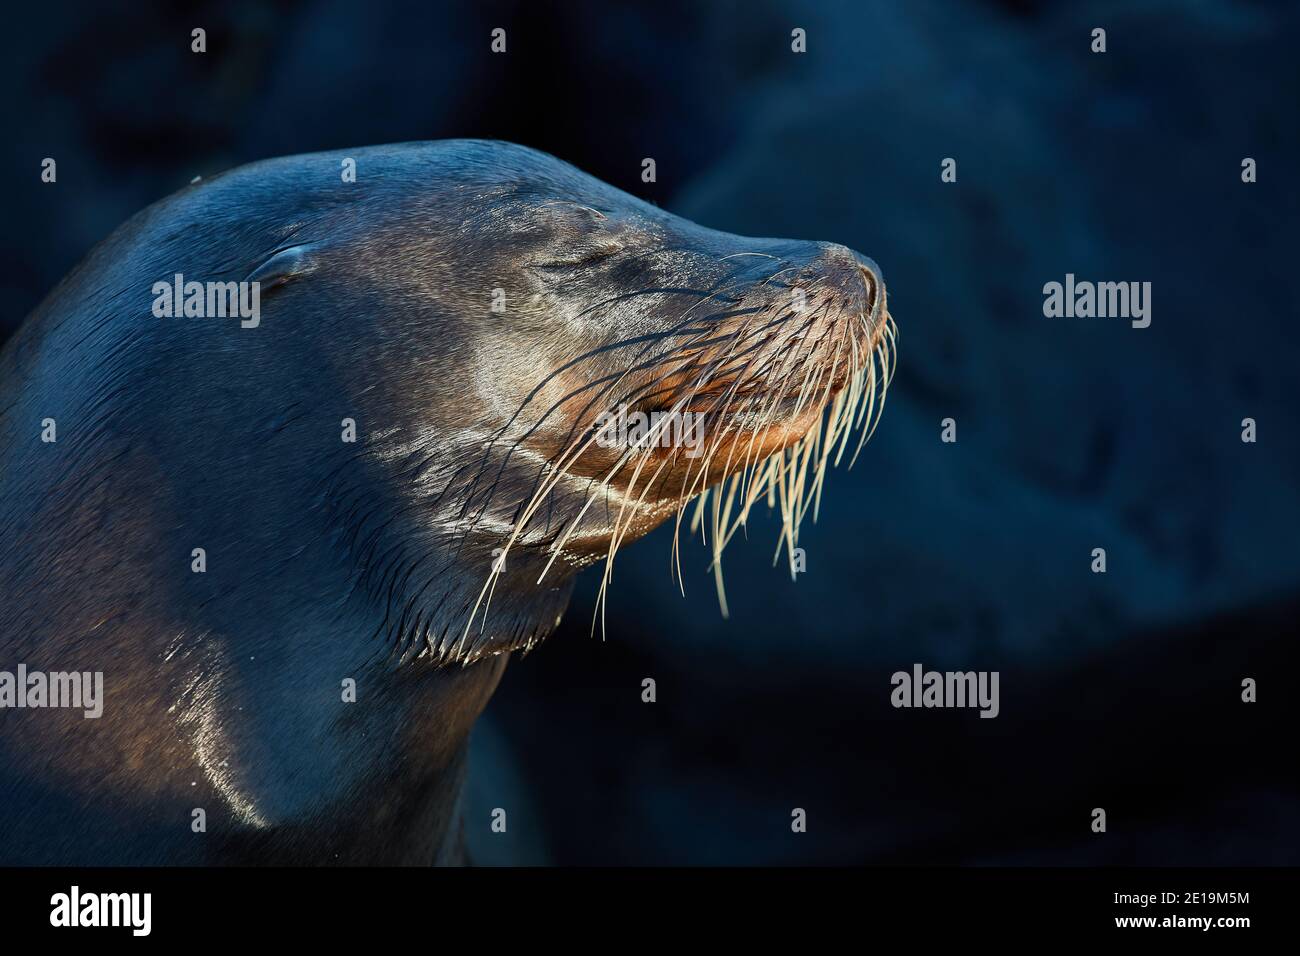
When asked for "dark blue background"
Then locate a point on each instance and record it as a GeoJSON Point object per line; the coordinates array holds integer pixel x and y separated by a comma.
{"type": "Point", "coordinates": [1118, 690]}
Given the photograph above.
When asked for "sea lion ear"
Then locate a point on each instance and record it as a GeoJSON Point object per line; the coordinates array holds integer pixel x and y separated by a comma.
{"type": "Point", "coordinates": [285, 265]}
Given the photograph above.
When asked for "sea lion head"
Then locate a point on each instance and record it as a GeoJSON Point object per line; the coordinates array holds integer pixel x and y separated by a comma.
{"type": "Point", "coordinates": [564, 366]}
{"type": "Point", "coordinates": [474, 371]}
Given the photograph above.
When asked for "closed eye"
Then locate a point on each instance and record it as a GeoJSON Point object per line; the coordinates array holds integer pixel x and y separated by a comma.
{"type": "Point", "coordinates": [583, 253]}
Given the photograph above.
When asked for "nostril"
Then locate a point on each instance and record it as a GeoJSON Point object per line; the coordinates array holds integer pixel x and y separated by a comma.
{"type": "Point", "coordinates": [871, 279]}
{"type": "Point", "coordinates": [841, 260]}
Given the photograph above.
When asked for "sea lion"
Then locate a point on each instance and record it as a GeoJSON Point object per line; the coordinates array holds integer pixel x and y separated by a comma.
{"type": "Point", "coordinates": [299, 545]}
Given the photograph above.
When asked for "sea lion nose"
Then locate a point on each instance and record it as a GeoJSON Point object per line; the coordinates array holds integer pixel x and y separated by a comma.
{"type": "Point", "coordinates": [849, 263]}
{"type": "Point", "coordinates": [868, 265]}
{"type": "Point", "coordinates": [872, 279]}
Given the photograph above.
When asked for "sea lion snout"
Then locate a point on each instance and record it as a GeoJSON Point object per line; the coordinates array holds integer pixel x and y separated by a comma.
{"type": "Point", "coordinates": [859, 278]}
{"type": "Point", "coordinates": [825, 304]}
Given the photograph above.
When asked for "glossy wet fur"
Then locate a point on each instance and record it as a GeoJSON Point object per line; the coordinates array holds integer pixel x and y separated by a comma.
{"type": "Point", "coordinates": [329, 560]}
